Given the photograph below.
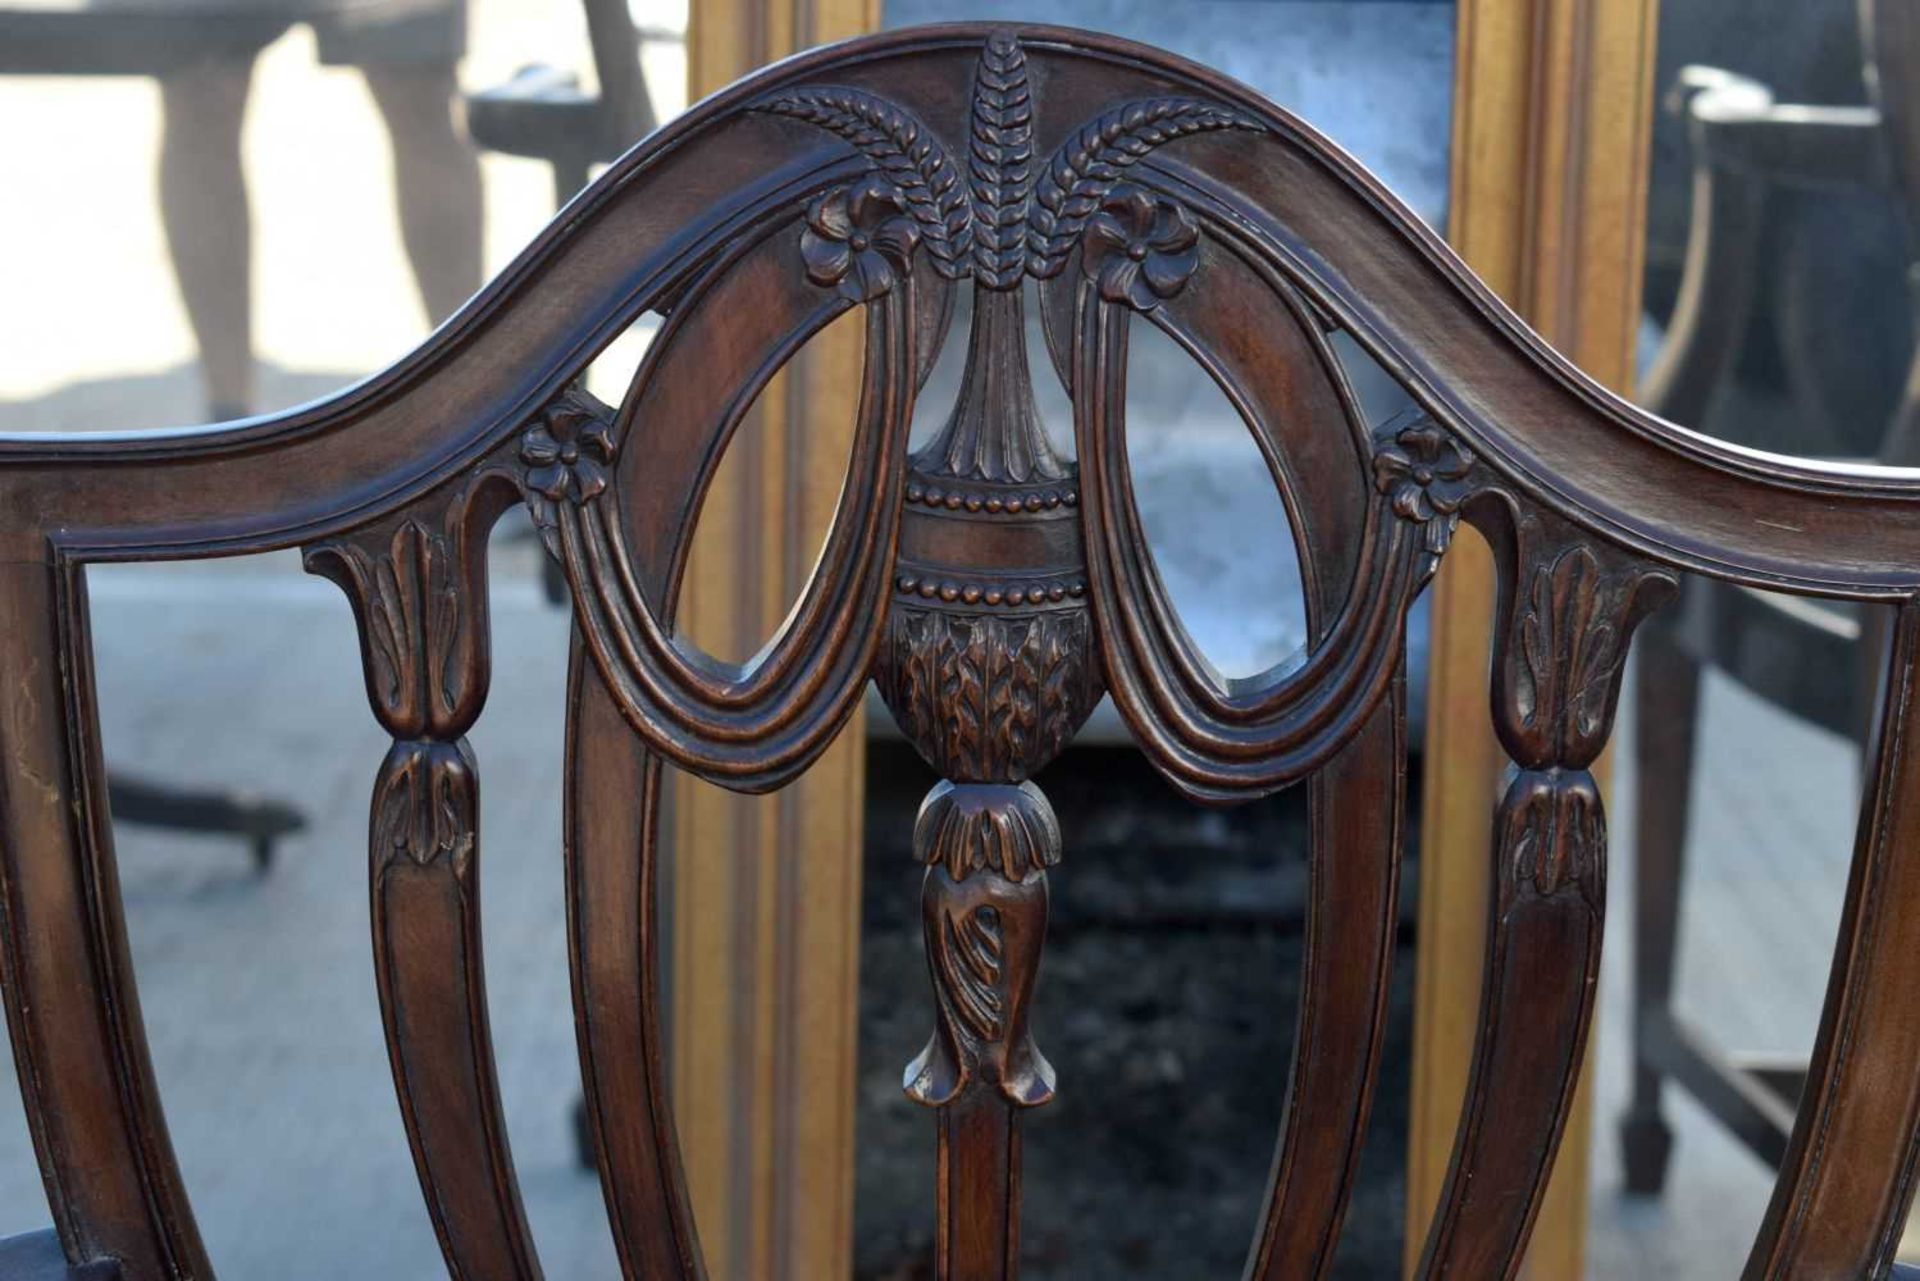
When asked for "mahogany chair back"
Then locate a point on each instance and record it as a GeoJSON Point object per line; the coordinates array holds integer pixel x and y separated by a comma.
{"type": "Point", "coordinates": [993, 590]}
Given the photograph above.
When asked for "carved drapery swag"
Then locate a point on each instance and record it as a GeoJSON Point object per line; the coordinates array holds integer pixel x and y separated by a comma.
{"type": "Point", "coordinates": [994, 590]}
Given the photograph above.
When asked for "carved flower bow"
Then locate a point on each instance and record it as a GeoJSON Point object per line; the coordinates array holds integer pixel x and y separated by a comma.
{"type": "Point", "coordinates": [1140, 249]}
{"type": "Point", "coordinates": [859, 238]}
{"type": "Point", "coordinates": [1422, 472]}
{"type": "Point", "coordinates": [566, 457]}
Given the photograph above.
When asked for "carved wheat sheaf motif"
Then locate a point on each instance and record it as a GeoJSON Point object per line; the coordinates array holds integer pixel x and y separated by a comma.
{"type": "Point", "coordinates": [1011, 219]}
{"type": "Point", "coordinates": [1000, 165]}
{"type": "Point", "coordinates": [1090, 163]}
{"type": "Point", "coordinates": [903, 149]}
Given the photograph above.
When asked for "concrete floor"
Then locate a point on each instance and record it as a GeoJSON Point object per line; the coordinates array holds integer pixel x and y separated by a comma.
{"type": "Point", "coordinates": [258, 992]}
{"type": "Point", "coordinates": [1771, 837]}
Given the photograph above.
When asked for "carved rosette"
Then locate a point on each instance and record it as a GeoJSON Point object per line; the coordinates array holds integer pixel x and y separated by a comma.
{"type": "Point", "coordinates": [568, 455]}
{"type": "Point", "coordinates": [859, 239]}
{"type": "Point", "coordinates": [1426, 475]}
{"type": "Point", "coordinates": [1140, 249]}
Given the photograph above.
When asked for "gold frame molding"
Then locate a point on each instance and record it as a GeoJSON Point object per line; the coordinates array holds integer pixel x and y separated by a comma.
{"type": "Point", "coordinates": [763, 1046]}
{"type": "Point", "coordinates": [1553, 103]}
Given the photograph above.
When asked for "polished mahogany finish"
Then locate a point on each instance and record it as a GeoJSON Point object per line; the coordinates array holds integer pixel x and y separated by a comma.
{"type": "Point", "coordinates": [994, 589]}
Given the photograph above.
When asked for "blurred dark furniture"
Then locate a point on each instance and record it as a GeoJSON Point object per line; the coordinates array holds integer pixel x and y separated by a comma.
{"type": "Point", "coordinates": [543, 113]}
{"type": "Point", "coordinates": [1818, 661]}
{"type": "Point", "coordinates": [63, 38]}
{"type": "Point", "coordinates": [1804, 53]}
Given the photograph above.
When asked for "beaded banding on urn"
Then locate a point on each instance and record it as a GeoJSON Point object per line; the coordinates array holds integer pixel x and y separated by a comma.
{"type": "Point", "coordinates": [988, 664]}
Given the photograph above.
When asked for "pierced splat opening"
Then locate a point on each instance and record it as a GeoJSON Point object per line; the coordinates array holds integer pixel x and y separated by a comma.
{"type": "Point", "coordinates": [612, 371]}
{"type": "Point", "coordinates": [789, 493]}
{"type": "Point", "coordinates": [1215, 525]}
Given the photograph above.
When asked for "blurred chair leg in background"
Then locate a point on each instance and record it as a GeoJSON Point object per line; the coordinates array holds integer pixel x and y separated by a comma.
{"type": "Point", "coordinates": [203, 205]}
{"type": "Point", "coordinates": [409, 61]}
{"type": "Point", "coordinates": [436, 178]}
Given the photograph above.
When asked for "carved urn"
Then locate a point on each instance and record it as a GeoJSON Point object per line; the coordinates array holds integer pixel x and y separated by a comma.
{"type": "Point", "coordinates": [988, 664]}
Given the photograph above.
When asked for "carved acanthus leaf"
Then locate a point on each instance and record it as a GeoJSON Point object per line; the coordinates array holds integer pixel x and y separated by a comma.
{"type": "Point", "coordinates": [413, 630]}
{"type": "Point", "coordinates": [1554, 829]}
{"type": "Point", "coordinates": [1571, 637]}
{"type": "Point", "coordinates": [977, 827]}
{"type": "Point", "coordinates": [1567, 615]}
{"type": "Point", "coordinates": [426, 804]}
{"type": "Point", "coordinates": [989, 697]}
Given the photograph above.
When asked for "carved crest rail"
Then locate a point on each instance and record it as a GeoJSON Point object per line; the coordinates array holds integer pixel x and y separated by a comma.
{"type": "Point", "coordinates": [994, 591]}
